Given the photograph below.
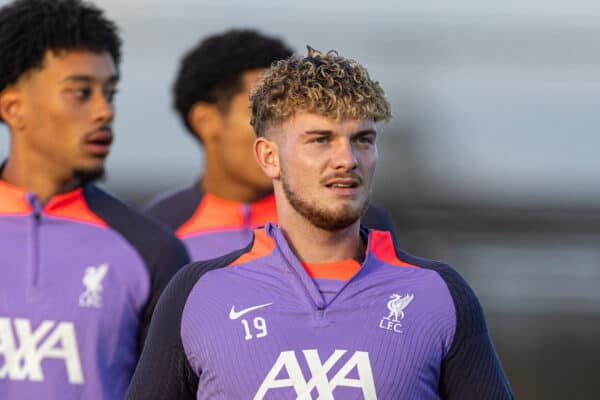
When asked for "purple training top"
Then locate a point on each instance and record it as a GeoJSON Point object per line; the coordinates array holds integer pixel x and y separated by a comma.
{"type": "Point", "coordinates": [80, 278]}
{"type": "Point", "coordinates": [254, 325]}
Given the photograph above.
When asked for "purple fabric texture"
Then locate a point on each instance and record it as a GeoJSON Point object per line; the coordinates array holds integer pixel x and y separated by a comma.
{"type": "Point", "coordinates": [70, 297]}
{"type": "Point", "coordinates": [263, 330]}
{"type": "Point", "coordinates": [208, 245]}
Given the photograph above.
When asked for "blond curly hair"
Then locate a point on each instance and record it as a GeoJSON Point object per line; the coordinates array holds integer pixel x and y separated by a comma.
{"type": "Point", "coordinates": [325, 84]}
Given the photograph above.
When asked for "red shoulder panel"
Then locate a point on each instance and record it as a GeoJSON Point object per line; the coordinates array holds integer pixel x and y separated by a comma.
{"type": "Point", "coordinates": [213, 213]}
{"type": "Point", "coordinates": [263, 245]}
{"type": "Point", "coordinates": [382, 246]}
{"type": "Point", "coordinates": [13, 200]}
{"type": "Point", "coordinates": [72, 206]}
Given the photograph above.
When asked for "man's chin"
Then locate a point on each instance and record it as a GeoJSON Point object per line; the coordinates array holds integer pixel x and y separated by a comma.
{"type": "Point", "coordinates": [90, 175]}
{"type": "Point", "coordinates": [335, 222]}
{"type": "Point", "coordinates": [331, 219]}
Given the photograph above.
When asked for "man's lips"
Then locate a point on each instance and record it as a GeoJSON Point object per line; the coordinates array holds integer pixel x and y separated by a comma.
{"type": "Point", "coordinates": [99, 141]}
{"type": "Point", "coordinates": [343, 182]}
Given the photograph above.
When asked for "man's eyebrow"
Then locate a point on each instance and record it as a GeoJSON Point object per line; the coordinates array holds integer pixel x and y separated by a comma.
{"type": "Point", "coordinates": [328, 132]}
{"type": "Point", "coordinates": [89, 79]}
{"type": "Point", "coordinates": [365, 132]}
{"type": "Point", "coordinates": [319, 132]}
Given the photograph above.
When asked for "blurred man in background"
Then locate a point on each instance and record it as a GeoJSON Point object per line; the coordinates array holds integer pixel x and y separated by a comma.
{"type": "Point", "coordinates": [80, 271]}
{"type": "Point", "coordinates": [217, 213]}
{"type": "Point", "coordinates": [318, 306]}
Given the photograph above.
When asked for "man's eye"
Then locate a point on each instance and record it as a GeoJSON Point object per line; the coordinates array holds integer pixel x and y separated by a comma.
{"type": "Point", "coordinates": [366, 139]}
{"type": "Point", "coordinates": [320, 139]}
{"type": "Point", "coordinates": [109, 94]}
{"type": "Point", "coordinates": [83, 94]}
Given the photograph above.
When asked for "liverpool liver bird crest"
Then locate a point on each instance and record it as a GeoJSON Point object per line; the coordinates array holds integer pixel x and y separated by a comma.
{"type": "Point", "coordinates": [92, 281]}
{"type": "Point", "coordinates": [396, 306]}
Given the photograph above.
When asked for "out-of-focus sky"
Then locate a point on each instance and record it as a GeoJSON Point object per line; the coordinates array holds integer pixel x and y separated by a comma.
{"type": "Point", "coordinates": [495, 104]}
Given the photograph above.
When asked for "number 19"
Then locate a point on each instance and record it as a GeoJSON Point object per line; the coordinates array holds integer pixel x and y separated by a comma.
{"type": "Point", "coordinates": [259, 324]}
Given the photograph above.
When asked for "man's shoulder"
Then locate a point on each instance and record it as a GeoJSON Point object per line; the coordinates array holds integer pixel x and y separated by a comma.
{"type": "Point", "coordinates": [188, 277]}
{"type": "Point", "coordinates": [386, 249]}
{"type": "Point", "coordinates": [172, 208]}
{"type": "Point", "coordinates": [150, 238]}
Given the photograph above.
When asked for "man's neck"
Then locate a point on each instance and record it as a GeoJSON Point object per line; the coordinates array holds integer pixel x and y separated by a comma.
{"type": "Point", "coordinates": [36, 179]}
{"type": "Point", "coordinates": [316, 245]}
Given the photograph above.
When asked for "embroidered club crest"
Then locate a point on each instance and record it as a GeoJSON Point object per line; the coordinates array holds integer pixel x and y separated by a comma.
{"type": "Point", "coordinates": [92, 280]}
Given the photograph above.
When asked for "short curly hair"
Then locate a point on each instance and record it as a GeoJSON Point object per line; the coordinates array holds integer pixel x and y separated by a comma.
{"type": "Point", "coordinates": [212, 70]}
{"type": "Point", "coordinates": [29, 28]}
{"type": "Point", "coordinates": [325, 84]}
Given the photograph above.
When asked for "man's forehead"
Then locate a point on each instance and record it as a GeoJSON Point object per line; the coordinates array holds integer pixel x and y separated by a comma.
{"type": "Point", "coordinates": [307, 122]}
{"type": "Point", "coordinates": [64, 64]}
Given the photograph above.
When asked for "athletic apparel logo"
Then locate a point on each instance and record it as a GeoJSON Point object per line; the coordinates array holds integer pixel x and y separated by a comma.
{"type": "Point", "coordinates": [396, 307]}
{"type": "Point", "coordinates": [25, 350]}
{"type": "Point", "coordinates": [287, 361]}
{"type": "Point", "coordinates": [92, 280]}
{"type": "Point", "coordinates": [236, 314]}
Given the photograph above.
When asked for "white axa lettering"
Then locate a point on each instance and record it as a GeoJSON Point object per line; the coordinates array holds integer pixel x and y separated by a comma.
{"type": "Point", "coordinates": [49, 340]}
{"type": "Point", "coordinates": [295, 379]}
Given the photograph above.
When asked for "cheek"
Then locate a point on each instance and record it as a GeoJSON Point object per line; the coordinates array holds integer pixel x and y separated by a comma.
{"type": "Point", "coordinates": [369, 160]}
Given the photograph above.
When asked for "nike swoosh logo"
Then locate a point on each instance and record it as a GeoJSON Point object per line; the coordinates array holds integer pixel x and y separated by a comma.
{"type": "Point", "coordinates": [235, 315]}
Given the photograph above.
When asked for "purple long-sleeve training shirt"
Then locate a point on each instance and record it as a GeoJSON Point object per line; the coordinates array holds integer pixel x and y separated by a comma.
{"type": "Point", "coordinates": [254, 325]}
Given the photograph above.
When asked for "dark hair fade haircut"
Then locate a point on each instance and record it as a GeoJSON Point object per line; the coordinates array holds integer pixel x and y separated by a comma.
{"type": "Point", "coordinates": [212, 70]}
{"type": "Point", "coordinates": [29, 28]}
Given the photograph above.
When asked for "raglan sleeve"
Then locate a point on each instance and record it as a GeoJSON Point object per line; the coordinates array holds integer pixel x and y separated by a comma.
{"type": "Point", "coordinates": [163, 370]}
{"type": "Point", "coordinates": [161, 252]}
{"type": "Point", "coordinates": [471, 370]}
{"type": "Point", "coordinates": [169, 256]}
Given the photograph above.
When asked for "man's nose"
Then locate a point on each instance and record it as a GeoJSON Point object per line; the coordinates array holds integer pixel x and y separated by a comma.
{"type": "Point", "coordinates": [345, 156]}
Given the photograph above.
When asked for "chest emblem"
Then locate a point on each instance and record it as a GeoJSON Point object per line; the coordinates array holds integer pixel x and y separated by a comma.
{"type": "Point", "coordinates": [396, 306]}
{"type": "Point", "coordinates": [92, 280]}
{"type": "Point", "coordinates": [254, 328]}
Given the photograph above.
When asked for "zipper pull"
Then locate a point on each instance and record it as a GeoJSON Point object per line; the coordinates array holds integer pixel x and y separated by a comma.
{"type": "Point", "coordinates": [35, 206]}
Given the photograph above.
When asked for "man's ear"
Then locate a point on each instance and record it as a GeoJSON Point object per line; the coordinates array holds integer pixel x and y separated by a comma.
{"type": "Point", "coordinates": [266, 153]}
{"type": "Point", "coordinates": [206, 121]}
{"type": "Point", "coordinates": [11, 110]}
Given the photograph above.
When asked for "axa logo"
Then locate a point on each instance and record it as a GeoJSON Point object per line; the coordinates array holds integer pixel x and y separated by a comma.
{"type": "Point", "coordinates": [92, 280]}
{"type": "Point", "coordinates": [24, 349]}
{"type": "Point", "coordinates": [355, 373]}
{"type": "Point", "coordinates": [396, 306]}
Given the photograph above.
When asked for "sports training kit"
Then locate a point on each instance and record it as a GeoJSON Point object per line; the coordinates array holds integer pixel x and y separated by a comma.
{"type": "Point", "coordinates": [80, 278]}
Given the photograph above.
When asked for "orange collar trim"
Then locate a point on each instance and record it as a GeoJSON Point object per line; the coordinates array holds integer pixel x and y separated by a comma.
{"type": "Point", "coordinates": [340, 270]}
{"type": "Point", "coordinates": [70, 205]}
{"type": "Point", "coordinates": [13, 200]}
{"type": "Point", "coordinates": [214, 213]}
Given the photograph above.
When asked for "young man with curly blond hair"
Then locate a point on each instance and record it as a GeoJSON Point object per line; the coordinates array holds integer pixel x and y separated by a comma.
{"type": "Point", "coordinates": [218, 212]}
{"type": "Point", "coordinates": [319, 307]}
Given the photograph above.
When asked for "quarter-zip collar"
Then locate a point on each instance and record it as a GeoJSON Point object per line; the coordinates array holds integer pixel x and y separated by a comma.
{"type": "Point", "coordinates": [70, 205]}
{"type": "Point", "coordinates": [295, 267]}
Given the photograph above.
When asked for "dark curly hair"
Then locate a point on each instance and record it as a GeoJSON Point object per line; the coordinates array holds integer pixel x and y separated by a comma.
{"type": "Point", "coordinates": [212, 70]}
{"type": "Point", "coordinates": [29, 28]}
